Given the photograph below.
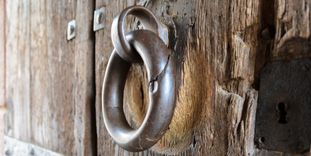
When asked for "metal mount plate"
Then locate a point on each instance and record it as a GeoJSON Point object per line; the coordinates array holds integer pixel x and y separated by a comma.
{"type": "Point", "coordinates": [71, 30]}
{"type": "Point", "coordinates": [283, 118]}
{"type": "Point", "coordinates": [99, 19]}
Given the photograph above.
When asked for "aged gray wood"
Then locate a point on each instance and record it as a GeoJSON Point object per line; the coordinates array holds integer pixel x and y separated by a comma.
{"type": "Point", "coordinates": [84, 82]}
{"type": "Point", "coordinates": [2, 53]}
{"type": "Point", "coordinates": [49, 79]}
{"type": "Point", "coordinates": [2, 71]}
{"type": "Point", "coordinates": [52, 76]}
{"type": "Point", "coordinates": [17, 69]}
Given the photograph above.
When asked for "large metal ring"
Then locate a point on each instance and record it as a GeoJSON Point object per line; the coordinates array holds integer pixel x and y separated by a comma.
{"type": "Point", "coordinates": [147, 19]}
{"type": "Point", "coordinates": [161, 75]}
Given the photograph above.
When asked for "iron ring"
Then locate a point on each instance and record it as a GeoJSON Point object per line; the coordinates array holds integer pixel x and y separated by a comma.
{"type": "Point", "coordinates": [161, 76]}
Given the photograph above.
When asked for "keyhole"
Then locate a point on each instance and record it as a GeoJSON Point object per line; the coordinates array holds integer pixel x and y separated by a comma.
{"type": "Point", "coordinates": [282, 113]}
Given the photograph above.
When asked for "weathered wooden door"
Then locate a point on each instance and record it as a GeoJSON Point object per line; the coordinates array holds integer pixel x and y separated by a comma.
{"type": "Point", "coordinates": [52, 87]}
{"type": "Point", "coordinates": [49, 81]}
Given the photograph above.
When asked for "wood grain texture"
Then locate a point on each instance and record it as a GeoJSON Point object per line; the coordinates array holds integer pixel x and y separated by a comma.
{"type": "Point", "coordinates": [52, 76]}
{"type": "Point", "coordinates": [2, 53]}
{"type": "Point", "coordinates": [49, 79]}
{"type": "Point", "coordinates": [84, 84]}
{"type": "Point", "coordinates": [222, 47]}
{"type": "Point", "coordinates": [17, 69]}
{"type": "Point", "coordinates": [292, 24]}
{"type": "Point", "coordinates": [2, 72]}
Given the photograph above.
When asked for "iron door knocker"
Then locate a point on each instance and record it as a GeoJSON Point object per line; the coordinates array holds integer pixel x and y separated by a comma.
{"type": "Point", "coordinates": [147, 46]}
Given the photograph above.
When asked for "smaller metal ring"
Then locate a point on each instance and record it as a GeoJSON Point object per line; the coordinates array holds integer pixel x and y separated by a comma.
{"type": "Point", "coordinates": [161, 75]}
{"type": "Point", "coordinates": [147, 19]}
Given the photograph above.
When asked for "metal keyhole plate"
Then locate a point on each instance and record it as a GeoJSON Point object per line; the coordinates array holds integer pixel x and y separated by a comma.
{"type": "Point", "coordinates": [283, 118]}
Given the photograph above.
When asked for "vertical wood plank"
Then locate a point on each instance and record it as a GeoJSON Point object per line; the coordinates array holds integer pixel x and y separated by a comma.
{"type": "Point", "coordinates": [51, 80]}
{"type": "Point", "coordinates": [84, 89]}
{"type": "Point", "coordinates": [52, 76]}
{"type": "Point", "coordinates": [18, 69]}
{"type": "Point", "coordinates": [2, 72]}
{"type": "Point", "coordinates": [2, 53]}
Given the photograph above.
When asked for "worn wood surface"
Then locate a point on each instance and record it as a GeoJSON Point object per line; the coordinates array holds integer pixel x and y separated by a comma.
{"type": "Point", "coordinates": [52, 85]}
{"type": "Point", "coordinates": [84, 84]}
{"type": "Point", "coordinates": [221, 47]}
{"type": "Point", "coordinates": [49, 79]}
{"type": "Point", "coordinates": [2, 72]}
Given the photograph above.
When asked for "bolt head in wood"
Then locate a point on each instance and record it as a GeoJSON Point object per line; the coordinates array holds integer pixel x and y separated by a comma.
{"type": "Point", "coordinates": [71, 28]}
{"type": "Point", "coordinates": [99, 16]}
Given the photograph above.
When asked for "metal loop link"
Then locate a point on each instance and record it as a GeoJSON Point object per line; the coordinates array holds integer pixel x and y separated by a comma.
{"type": "Point", "coordinates": [149, 22]}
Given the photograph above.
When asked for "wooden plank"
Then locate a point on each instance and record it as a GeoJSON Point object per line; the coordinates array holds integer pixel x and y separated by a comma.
{"type": "Point", "coordinates": [52, 76]}
{"type": "Point", "coordinates": [18, 69]}
{"type": "Point", "coordinates": [50, 91]}
{"type": "Point", "coordinates": [223, 52]}
{"type": "Point", "coordinates": [2, 53]}
{"type": "Point", "coordinates": [2, 72]}
{"type": "Point", "coordinates": [84, 81]}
